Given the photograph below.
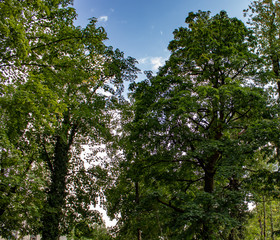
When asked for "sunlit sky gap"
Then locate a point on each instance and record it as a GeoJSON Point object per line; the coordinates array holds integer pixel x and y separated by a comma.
{"type": "Point", "coordinates": [143, 29]}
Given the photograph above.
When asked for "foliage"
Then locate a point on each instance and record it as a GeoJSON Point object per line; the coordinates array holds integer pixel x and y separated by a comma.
{"type": "Point", "coordinates": [53, 101]}
{"type": "Point", "coordinates": [264, 19]}
{"type": "Point", "coordinates": [264, 220]}
{"type": "Point", "coordinates": [86, 231]}
{"type": "Point", "coordinates": [199, 141]}
{"type": "Point", "coordinates": [193, 134]}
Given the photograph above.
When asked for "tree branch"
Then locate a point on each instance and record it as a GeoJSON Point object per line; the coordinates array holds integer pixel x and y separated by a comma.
{"type": "Point", "coordinates": [73, 131]}
{"type": "Point", "coordinates": [241, 115]}
{"type": "Point", "coordinates": [240, 70]}
{"type": "Point", "coordinates": [170, 205]}
{"type": "Point", "coordinates": [47, 158]}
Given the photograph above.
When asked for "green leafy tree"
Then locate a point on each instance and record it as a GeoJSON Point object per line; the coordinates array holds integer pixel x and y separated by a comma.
{"type": "Point", "coordinates": [87, 66]}
{"type": "Point", "coordinates": [130, 202]}
{"type": "Point", "coordinates": [25, 30]}
{"type": "Point", "coordinates": [86, 231]}
{"type": "Point", "coordinates": [264, 220]}
{"type": "Point", "coordinates": [264, 18]}
{"type": "Point", "coordinates": [53, 101]}
{"type": "Point", "coordinates": [22, 106]}
{"type": "Point", "coordinates": [264, 215]}
{"type": "Point", "coordinates": [193, 132]}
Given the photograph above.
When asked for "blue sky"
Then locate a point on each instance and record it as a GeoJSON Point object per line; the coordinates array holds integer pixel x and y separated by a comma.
{"type": "Point", "coordinates": [143, 29]}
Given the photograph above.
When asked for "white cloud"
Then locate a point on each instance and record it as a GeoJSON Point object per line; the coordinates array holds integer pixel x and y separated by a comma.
{"type": "Point", "coordinates": [142, 60]}
{"type": "Point", "coordinates": [157, 62]}
{"type": "Point", "coordinates": [103, 19]}
{"type": "Point", "coordinates": [152, 63]}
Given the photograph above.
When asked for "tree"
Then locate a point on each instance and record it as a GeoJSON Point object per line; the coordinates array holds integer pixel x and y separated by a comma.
{"type": "Point", "coordinates": [22, 171]}
{"type": "Point", "coordinates": [62, 105]}
{"type": "Point", "coordinates": [193, 129]}
{"type": "Point", "coordinates": [86, 231]}
{"type": "Point", "coordinates": [88, 113]}
{"type": "Point", "coordinates": [264, 215]}
{"type": "Point", "coordinates": [264, 18]}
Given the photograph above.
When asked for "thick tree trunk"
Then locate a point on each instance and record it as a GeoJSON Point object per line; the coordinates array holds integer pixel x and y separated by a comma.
{"type": "Point", "coordinates": [56, 194]}
{"type": "Point", "coordinates": [209, 180]}
{"type": "Point", "coordinates": [209, 172]}
{"type": "Point", "coordinates": [209, 188]}
{"type": "Point", "coordinates": [209, 175]}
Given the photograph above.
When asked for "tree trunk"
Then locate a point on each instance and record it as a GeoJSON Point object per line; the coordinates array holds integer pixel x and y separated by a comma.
{"type": "Point", "coordinates": [209, 180]}
{"type": "Point", "coordinates": [264, 219]}
{"type": "Point", "coordinates": [56, 194]}
{"type": "Point", "coordinates": [236, 212]}
{"type": "Point", "coordinates": [207, 228]}
{"type": "Point", "coordinates": [139, 236]}
{"type": "Point", "coordinates": [137, 200]}
{"type": "Point", "coordinates": [209, 188]}
{"type": "Point", "coordinates": [260, 223]}
{"type": "Point", "coordinates": [271, 222]}
{"type": "Point", "coordinates": [57, 191]}
{"type": "Point", "coordinates": [276, 70]}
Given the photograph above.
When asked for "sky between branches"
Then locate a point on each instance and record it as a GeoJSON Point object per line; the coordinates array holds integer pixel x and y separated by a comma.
{"type": "Point", "coordinates": [143, 29]}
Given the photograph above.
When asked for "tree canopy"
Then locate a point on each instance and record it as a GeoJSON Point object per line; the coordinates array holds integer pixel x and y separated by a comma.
{"type": "Point", "coordinates": [57, 94]}
{"type": "Point", "coordinates": [197, 130]}
{"type": "Point", "coordinates": [192, 148]}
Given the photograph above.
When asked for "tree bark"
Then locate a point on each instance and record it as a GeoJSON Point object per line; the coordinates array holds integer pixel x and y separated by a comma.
{"type": "Point", "coordinates": [207, 232]}
{"type": "Point", "coordinates": [57, 191]}
{"type": "Point", "coordinates": [56, 194]}
{"type": "Point", "coordinates": [209, 188]}
{"type": "Point", "coordinates": [209, 180]}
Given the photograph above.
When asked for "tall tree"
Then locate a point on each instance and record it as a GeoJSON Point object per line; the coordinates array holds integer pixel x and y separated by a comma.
{"type": "Point", "coordinates": [264, 18]}
{"type": "Point", "coordinates": [191, 136]}
{"type": "Point", "coordinates": [23, 105]}
{"type": "Point", "coordinates": [71, 85]}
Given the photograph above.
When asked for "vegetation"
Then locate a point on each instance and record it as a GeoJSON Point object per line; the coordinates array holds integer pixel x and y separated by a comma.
{"type": "Point", "coordinates": [53, 102]}
{"type": "Point", "coordinates": [193, 148]}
